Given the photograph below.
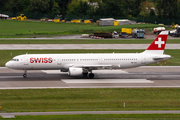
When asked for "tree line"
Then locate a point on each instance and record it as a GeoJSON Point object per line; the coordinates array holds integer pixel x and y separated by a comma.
{"type": "Point", "coordinates": [90, 8]}
{"type": "Point", "coordinates": [36, 7]}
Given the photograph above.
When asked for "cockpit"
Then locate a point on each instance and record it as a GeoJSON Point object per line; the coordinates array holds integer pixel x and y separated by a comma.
{"type": "Point", "coordinates": [15, 60]}
{"type": "Point", "coordinates": [14, 63]}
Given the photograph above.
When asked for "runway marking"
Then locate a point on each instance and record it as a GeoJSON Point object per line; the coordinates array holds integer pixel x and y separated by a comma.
{"type": "Point", "coordinates": [3, 67]}
{"type": "Point", "coordinates": [110, 71]}
{"type": "Point", "coordinates": [53, 72]}
{"type": "Point", "coordinates": [72, 87]}
{"type": "Point", "coordinates": [92, 112]}
{"type": "Point", "coordinates": [19, 88]}
{"type": "Point", "coordinates": [8, 116]}
{"type": "Point", "coordinates": [107, 81]}
{"type": "Point", "coordinates": [11, 76]}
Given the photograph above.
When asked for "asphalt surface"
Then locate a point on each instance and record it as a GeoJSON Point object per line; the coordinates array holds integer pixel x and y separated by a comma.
{"type": "Point", "coordinates": [78, 46]}
{"type": "Point", "coordinates": [141, 77]}
{"type": "Point", "coordinates": [90, 112]}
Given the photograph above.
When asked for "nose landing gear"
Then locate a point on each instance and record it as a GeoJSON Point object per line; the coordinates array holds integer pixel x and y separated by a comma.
{"type": "Point", "coordinates": [25, 75]}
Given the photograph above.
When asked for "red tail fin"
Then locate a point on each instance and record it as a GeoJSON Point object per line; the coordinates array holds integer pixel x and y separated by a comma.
{"type": "Point", "coordinates": [158, 45]}
{"type": "Point", "coordinates": [160, 42]}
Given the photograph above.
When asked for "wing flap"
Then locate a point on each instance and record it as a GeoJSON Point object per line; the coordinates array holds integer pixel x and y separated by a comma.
{"type": "Point", "coordinates": [101, 66]}
{"type": "Point", "coordinates": [97, 66]}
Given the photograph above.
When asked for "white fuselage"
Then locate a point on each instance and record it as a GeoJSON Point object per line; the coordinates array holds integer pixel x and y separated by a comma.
{"type": "Point", "coordinates": [65, 61]}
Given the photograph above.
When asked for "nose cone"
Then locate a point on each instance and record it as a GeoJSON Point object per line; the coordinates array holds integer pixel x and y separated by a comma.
{"type": "Point", "coordinates": [8, 65]}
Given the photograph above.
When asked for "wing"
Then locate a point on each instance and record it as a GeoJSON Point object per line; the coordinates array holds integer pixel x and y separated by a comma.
{"type": "Point", "coordinates": [93, 67]}
{"type": "Point", "coordinates": [99, 67]}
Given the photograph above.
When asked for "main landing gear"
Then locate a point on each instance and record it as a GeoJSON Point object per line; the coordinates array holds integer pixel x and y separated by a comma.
{"type": "Point", "coordinates": [25, 75]}
{"type": "Point", "coordinates": [85, 74]}
{"type": "Point", "coordinates": [91, 75]}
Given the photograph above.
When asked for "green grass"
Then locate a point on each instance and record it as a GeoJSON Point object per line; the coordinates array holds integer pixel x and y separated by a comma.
{"type": "Point", "coordinates": [11, 28]}
{"type": "Point", "coordinates": [107, 99]}
{"type": "Point", "coordinates": [89, 41]}
{"type": "Point", "coordinates": [5, 55]}
{"type": "Point", "coordinates": [102, 117]}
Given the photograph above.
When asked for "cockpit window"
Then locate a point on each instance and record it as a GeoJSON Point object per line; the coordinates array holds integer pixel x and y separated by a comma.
{"type": "Point", "coordinates": [15, 60]}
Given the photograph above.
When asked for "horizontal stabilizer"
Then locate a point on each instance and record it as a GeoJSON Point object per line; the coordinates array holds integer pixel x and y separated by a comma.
{"type": "Point", "coordinates": [163, 57]}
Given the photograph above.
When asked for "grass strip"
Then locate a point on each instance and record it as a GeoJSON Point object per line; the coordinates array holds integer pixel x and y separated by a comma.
{"type": "Point", "coordinates": [106, 99]}
{"type": "Point", "coordinates": [90, 41]}
{"type": "Point", "coordinates": [29, 29]}
{"type": "Point", "coordinates": [102, 117]}
{"type": "Point", "coordinates": [6, 55]}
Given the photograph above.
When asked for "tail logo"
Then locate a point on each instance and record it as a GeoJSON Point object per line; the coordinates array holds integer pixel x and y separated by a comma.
{"type": "Point", "coordinates": [159, 42]}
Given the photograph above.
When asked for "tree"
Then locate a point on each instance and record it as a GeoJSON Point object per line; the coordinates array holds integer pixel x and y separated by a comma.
{"type": "Point", "coordinates": [167, 8]}
{"type": "Point", "coordinates": [95, 1]}
{"type": "Point", "coordinates": [2, 3]}
{"type": "Point", "coordinates": [146, 7]}
{"type": "Point", "coordinates": [40, 6]}
{"type": "Point", "coordinates": [100, 10]}
{"type": "Point", "coordinates": [113, 8]}
{"type": "Point", "coordinates": [79, 8]}
{"type": "Point", "coordinates": [137, 7]}
{"type": "Point", "coordinates": [72, 7]}
{"type": "Point", "coordinates": [82, 8]}
{"type": "Point", "coordinates": [55, 9]}
{"type": "Point", "coordinates": [63, 6]}
{"type": "Point", "coordinates": [152, 13]}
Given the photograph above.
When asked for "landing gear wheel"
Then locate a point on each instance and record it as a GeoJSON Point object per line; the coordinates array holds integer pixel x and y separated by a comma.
{"type": "Point", "coordinates": [91, 75]}
{"type": "Point", "coordinates": [24, 75]}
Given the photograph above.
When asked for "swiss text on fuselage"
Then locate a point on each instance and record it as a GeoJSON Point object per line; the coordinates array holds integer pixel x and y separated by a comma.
{"type": "Point", "coordinates": [41, 60]}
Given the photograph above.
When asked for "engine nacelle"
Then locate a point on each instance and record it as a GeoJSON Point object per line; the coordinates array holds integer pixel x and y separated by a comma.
{"type": "Point", "coordinates": [75, 71]}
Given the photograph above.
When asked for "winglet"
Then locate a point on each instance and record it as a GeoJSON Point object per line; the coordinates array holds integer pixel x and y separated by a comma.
{"type": "Point", "coordinates": [158, 45]}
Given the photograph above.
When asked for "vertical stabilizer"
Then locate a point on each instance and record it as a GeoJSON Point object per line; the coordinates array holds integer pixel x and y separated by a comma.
{"type": "Point", "coordinates": [158, 45]}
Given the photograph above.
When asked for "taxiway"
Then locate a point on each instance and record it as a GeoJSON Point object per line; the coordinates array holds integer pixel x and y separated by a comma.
{"type": "Point", "coordinates": [78, 46]}
{"type": "Point", "coordinates": [146, 76]}
{"type": "Point", "coordinates": [5, 115]}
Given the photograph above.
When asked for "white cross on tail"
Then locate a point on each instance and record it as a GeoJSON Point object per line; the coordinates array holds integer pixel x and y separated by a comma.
{"type": "Point", "coordinates": [159, 42]}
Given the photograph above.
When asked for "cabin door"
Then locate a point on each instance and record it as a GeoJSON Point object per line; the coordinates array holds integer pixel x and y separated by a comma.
{"type": "Point", "coordinates": [100, 60]}
{"type": "Point", "coordinates": [26, 60]}
{"type": "Point", "coordinates": [59, 61]}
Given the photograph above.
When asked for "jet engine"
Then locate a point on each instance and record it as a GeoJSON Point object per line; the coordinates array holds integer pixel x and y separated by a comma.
{"type": "Point", "coordinates": [75, 71]}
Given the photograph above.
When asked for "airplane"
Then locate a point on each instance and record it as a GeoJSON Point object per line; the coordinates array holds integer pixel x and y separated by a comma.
{"type": "Point", "coordinates": [85, 64]}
